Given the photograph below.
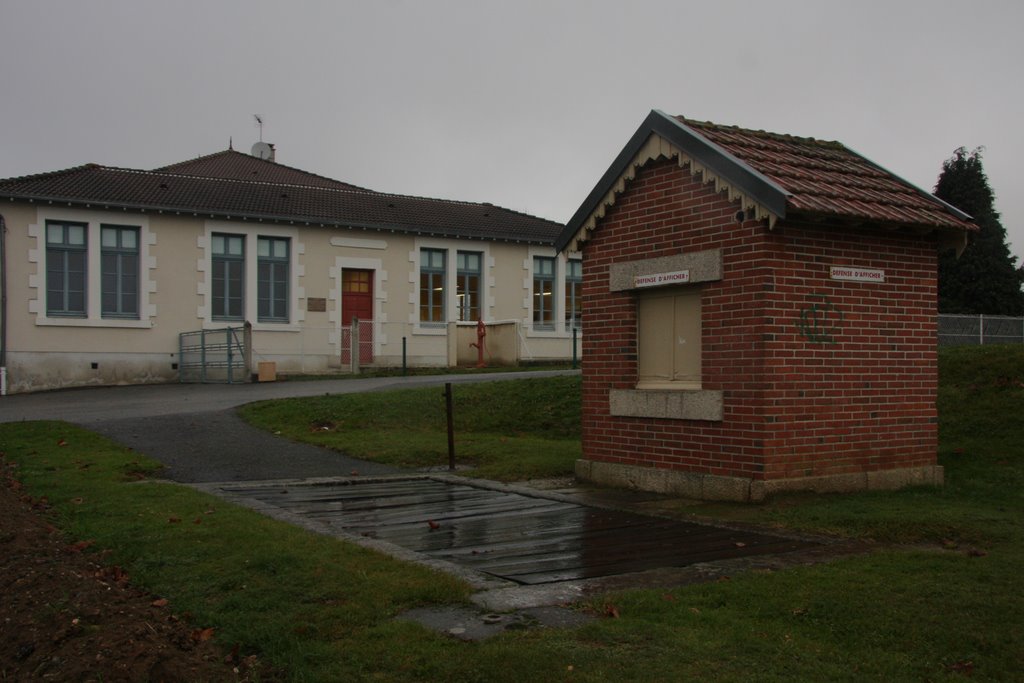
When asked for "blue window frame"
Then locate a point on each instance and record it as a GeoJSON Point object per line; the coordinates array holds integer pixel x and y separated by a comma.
{"type": "Point", "coordinates": [272, 265]}
{"type": "Point", "coordinates": [543, 292]}
{"type": "Point", "coordinates": [66, 261]}
{"type": "Point", "coordinates": [433, 274]}
{"type": "Point", "coordinates": [228, 296]}
{"type": "Point", "coordinates": [119, 271]}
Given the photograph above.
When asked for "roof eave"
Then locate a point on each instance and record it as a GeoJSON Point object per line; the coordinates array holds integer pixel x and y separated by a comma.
{"type": "Point", "coordinates": [410, 229]}
{"type": "Point", "coordinates": [756, 185]}
{"type": "Point", "coordinates": [962, 215]}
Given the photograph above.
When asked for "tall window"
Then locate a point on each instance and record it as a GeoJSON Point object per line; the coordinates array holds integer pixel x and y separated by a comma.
{"type": "Point", "coordinates": [65, 268]}
{"type": "Point", "coordinates": [468, 284]}
{"type": "Point", "coordinates": [228, 276]}
{"type": "Point", "coordinates": [119, 271]}
{"type": "Point", "coordinates": [272, 279]}
{"type": "Point", "coordinates": [543, 292]}
{"type": "Point", "coordinates": [669, 339]}
{"type": "Point", "coordinates": [432, 279]}
{"type": "Point", "coordinates": [573, 293]}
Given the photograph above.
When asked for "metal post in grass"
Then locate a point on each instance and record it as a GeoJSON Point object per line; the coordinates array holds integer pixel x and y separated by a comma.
{"type": "Point", "coordinates": [451, 429]}
{"type": "Point", "coordinates": [403, 357]}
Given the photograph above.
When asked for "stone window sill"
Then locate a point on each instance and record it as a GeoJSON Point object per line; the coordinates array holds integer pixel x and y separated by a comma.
{"type": "Point", "coordinates": [680, 404]}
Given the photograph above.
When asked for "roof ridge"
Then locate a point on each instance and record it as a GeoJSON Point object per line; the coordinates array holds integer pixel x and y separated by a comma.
{"type": "Point", "coordinates": [198, 158]}
{"type": "Point", "coordinates": [168, 174]}
{"type": "Point", "coordinates": [787, 137]}
{"type": "Point", "coordinates": [249, 157]}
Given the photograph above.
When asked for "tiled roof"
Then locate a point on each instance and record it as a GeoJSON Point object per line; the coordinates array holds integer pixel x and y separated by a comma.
{"type": "Point", "coordinates": [826, 178]}
{"type": "Point", "coordinates": [781, 177]}
{"type": "Point", "coordinates": [235, 165]}
{"type": "Point", "coordinates": [170, 192]}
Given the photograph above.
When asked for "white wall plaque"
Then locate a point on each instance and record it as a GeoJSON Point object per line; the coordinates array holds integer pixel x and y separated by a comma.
{"type": "Point", "coordinates": [856, 274]}
{"type": "Point", "coordinates": [678, 277]}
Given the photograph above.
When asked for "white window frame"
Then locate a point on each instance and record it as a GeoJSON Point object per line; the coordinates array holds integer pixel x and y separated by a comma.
{"type": "Point", "coordinates": [559, 330]}
{"type": "Point", "coordinates": [93, 221]}
{"type": "Point", "coordinates": [251, 235]}
{"type": "Point", "coordinates": [452, 247]}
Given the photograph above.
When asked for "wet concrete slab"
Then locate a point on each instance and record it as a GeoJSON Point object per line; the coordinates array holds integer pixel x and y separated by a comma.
{"type": "Point", "coordinates": [506, 535]}
{"type": "Point", "coordinates": [465, 623]}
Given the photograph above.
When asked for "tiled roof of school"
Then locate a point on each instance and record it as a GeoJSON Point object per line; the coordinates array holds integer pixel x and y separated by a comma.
{"type": "Point", "coordinates": [783, 176]}
{"type": "Point", "coordinates": [234, 165]}
{"type": "Point", "coordinates": [826, 178]}
{"type": "Point", "coordinates": [282, 195]}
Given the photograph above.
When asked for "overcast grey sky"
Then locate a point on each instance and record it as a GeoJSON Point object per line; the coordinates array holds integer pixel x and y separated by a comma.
{"type": "Point", "coordinates": [523, 104]}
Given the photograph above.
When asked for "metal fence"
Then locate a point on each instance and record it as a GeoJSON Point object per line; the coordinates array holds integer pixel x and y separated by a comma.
{"type": "Point", "coordinates": [215, 356]}
{"type": "Point", "coordinates": [980, 329]}
{"type": "Point", "coordinates": [326, 349]}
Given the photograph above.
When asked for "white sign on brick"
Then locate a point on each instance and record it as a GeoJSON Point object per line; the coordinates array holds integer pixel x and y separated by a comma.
{"type": "Point", "coordinates": [856, 274]}
{"type": "Point", "coordinates": [678, 277]}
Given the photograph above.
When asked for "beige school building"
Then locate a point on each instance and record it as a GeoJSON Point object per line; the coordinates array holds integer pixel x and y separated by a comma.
{"type": "Point", "coordinates": [121, 276]}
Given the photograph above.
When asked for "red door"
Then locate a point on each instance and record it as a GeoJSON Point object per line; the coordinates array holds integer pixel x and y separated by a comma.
{"type": "Point", "coordinates": [357, 302]}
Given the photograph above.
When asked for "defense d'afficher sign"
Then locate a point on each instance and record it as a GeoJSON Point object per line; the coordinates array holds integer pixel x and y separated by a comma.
{"type": "Point", "coordinates": [856, 274]}
{"type": "Point", "coordinates": [678, 277]}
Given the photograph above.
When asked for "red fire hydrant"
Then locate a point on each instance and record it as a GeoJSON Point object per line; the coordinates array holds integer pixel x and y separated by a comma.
{"type": "Point", "coordinates": [481, 332]}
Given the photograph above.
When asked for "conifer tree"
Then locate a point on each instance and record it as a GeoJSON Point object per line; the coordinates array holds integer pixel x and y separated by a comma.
{"type": "Point", "coordinates": [985, 279]}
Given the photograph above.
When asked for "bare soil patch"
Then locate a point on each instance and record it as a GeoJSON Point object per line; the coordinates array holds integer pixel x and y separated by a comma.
{"type": "Point", "coordinates": [67, 616]}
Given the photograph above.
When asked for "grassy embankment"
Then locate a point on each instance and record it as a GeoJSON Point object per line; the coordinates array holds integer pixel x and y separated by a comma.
{"type": "Point", "coordinates": [510, 431]}
{"type": "Point", "coordinates": [322, 609]}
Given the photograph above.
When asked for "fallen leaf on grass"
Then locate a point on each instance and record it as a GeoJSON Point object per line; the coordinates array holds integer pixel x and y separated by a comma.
{"type": "Point", "coordinates": [77, 501]}
{"type": "Point", "coordinates": [173, 520]}
{"type": "Point", "coordinates": [974, 552]}
{"type": "Point", "coordinates": [611, 611]}
{"type": "Point", "coordinates": [201, 635]}
{"type": "Point", "coordinates": [79, 547]}
{"type": "Point", "coordinates": [160, 602]}
{"type": "Point", "coordinates": [62, 442]}
{"type": "Point", "coordinates": [740, 544]}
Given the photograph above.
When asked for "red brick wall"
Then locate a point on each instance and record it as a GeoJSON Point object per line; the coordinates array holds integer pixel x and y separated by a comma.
{"type": "Point", "coordinates": [793, 407]}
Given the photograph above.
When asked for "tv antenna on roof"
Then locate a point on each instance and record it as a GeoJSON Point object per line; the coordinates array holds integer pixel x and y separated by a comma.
{"type": "Point", "coordinates": [259, 123]}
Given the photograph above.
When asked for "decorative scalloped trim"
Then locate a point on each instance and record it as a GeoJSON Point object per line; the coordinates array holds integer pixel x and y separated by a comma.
{"type": "Point", "coordinates": [655, 147]}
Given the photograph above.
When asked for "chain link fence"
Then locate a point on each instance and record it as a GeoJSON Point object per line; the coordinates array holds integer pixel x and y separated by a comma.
{"type": "Point", "coordinates": [980, 329]}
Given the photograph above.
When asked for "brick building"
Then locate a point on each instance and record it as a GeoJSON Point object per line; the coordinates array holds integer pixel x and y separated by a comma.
{"type": "Point", "coordinates": [761, 316]}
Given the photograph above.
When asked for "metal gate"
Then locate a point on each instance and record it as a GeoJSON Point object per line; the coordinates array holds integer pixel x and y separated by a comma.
{"type": "Point", "coordinates": [218, 356]}
{"type": "Point", "coordinates": [357, 344]}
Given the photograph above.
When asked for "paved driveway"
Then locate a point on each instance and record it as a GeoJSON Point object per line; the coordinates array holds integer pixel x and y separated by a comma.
{"type": "Point", "coordinates": [193, 430]}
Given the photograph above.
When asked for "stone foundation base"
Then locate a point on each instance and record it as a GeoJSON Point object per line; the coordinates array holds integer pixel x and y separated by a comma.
{"type": "Point", "coordinates": [714, 487]}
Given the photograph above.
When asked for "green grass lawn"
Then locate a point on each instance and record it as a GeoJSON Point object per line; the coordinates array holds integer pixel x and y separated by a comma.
{"type": "Point", "coordinates": [514, 430]}
{"type": "Point", "coordinates": [947, 608]}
